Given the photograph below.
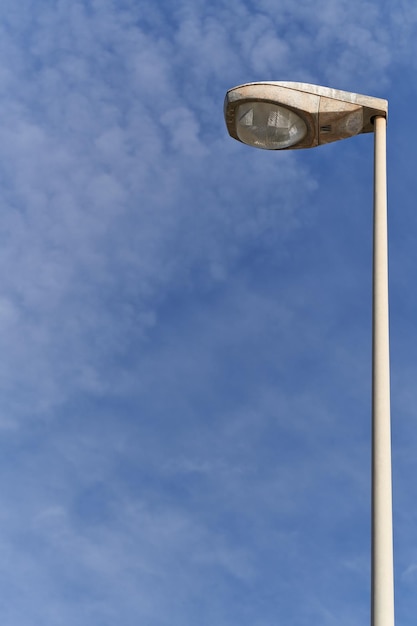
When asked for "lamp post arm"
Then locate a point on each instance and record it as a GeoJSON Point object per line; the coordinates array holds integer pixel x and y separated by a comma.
{"type": "Point", "coordinates": [382, 571]}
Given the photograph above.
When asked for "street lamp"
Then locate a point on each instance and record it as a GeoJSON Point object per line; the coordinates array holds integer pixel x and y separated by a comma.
{"type": "Point", "coordinates": [288, 116]}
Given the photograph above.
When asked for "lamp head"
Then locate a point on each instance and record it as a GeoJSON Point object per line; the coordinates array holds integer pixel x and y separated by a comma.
{"type": "Point", "coordinates": [284, 115]}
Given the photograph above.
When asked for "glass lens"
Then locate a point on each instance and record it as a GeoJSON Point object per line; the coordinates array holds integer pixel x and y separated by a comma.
{"type": "Point", "coordinates": [269, 126]}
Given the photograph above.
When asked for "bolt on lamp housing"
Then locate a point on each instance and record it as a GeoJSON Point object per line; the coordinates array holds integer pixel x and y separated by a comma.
{"type": "Point", "coordinates": [287, 115]}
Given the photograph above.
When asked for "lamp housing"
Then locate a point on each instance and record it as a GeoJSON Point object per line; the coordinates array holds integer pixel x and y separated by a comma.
{"type": "Point", "coordinates": [291, 115]}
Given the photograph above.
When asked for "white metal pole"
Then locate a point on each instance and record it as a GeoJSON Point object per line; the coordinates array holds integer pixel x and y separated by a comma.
{"type": "Point", "coordinates": [382, 575]}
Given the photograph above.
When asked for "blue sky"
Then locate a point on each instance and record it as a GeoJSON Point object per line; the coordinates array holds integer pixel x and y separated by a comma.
{"type": "Point", "coordinates": [185, 322]}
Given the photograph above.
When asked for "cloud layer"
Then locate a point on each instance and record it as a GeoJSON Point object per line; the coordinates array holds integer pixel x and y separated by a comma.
{"type": "Point", "coordinates": [184, 329]}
